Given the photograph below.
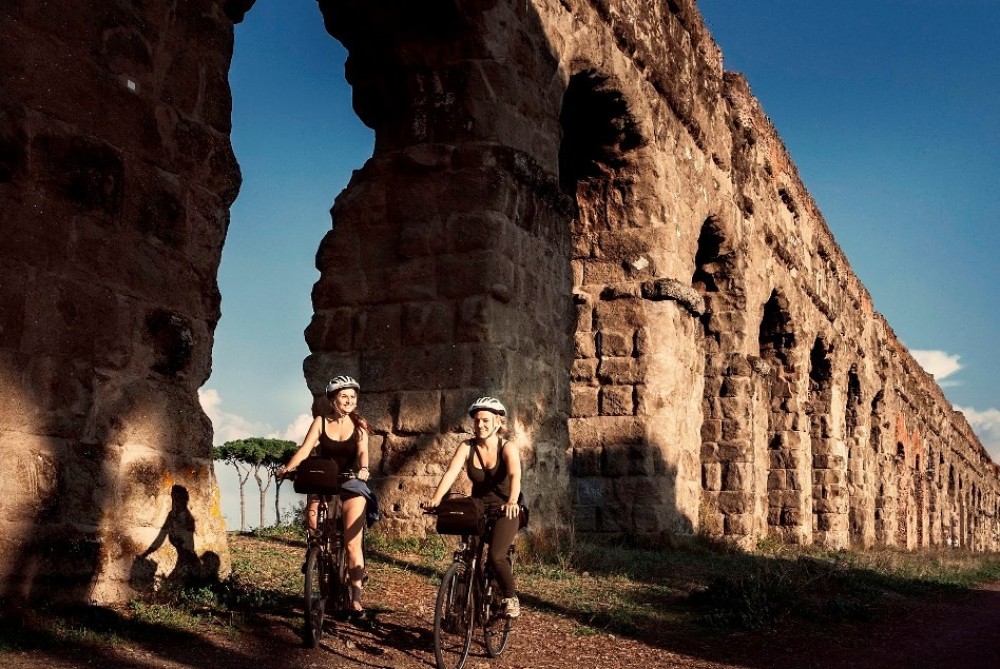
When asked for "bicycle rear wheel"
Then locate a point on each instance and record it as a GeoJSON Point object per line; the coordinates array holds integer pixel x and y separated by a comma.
{"type": "Point", "coordinates": [315, 597]}
{"type": "Point", "coordinates": [453, 614]}
{"type": "Point", "coordinates": [496, 627]}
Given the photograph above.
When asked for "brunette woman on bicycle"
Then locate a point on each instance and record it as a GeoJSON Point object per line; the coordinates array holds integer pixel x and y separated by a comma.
{"type": "Point", "coordinates": [494, 467]}
{"type": "Point", "coordinates": [343, 436]}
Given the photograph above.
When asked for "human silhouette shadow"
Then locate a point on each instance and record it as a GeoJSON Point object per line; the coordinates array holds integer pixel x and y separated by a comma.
{"type": "Point", "coordinates": [178, 529]}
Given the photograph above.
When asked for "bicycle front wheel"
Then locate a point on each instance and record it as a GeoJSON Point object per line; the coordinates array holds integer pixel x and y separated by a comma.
{"type": "Point", "coordinates": [453, 614]}
{"type": "Point", "coordinates": [315, 597]}
{"type": "Point", "coordinates": [496, 627]}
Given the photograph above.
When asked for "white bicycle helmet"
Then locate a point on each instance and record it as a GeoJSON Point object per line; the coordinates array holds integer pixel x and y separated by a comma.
{"type": "Point", "coordinates": [339, 383]}
{"type": "Point", "coordinates": [491, 404]}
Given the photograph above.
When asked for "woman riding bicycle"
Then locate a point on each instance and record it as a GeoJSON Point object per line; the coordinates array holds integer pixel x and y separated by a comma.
{"type": "Point", "coordinates": [494, 467]}
{"type": "Point", "coordinates": [342, 436]}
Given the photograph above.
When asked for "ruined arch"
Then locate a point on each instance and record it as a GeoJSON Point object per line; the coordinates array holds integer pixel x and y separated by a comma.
{"type": "Point", "coordinates": [788, 481]}
{"type": "Point", "coordinates": [828, 467]}
{"type": "Point", "coordinates": [598, 133]}
{"type": "Point", "coordinates": [859, 463]}
{"type": "Point", "coordinates": [634, 475]}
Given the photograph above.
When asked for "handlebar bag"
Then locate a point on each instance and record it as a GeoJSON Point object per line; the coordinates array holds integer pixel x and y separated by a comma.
{"type": "Point", "coordinates": [317, 476]}
{"type": "Point", "coordinates": [461, 515]}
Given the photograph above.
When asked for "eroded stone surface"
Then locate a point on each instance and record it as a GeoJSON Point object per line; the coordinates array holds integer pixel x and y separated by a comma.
{"type": "Point", "coordinates": [613, 238]}
{"type": "Point", "coordinates": [116, 175]}
{"type": "Point", "coordinates": [570, 206]}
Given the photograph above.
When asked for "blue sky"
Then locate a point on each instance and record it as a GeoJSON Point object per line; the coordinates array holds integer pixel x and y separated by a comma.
{"type": "Point", "coordinates": [890, 110]}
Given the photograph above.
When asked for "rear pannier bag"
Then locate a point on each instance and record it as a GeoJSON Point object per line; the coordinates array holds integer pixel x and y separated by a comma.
{"type": "Point", "coordinates": [461, 515]}
{"type": "Point", "coordinates": [317, 476]}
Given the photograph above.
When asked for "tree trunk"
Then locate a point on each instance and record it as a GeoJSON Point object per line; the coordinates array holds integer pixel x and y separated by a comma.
{"type": "Point", "coordinates": [277, 502]}
{"type": "Point", "coordinates": [262, 488]}
{"type": "Point", "coordinates": [242, 478]}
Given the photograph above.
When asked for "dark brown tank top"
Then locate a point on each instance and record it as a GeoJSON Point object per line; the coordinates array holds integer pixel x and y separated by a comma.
{"type": "Point", "coordinates": [488, 482]}
{"type": "Point", "coordinates": [345, 453]}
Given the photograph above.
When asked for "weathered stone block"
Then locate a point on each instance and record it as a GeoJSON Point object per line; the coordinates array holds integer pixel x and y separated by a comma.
{"type": "Point", "coordinates": [621, 371]}
{"type": "Point", "coordinates": [731, 502]}
{"type": "Point", "coordinates": [428, 323]}
{"type": "Point", "coordinates": [711, 430]}
{"type": "Point", "coordinates": [734, 429]}
{"type": "Point", "coordinates": [615, 344]}
{"type": "Point", "coordinates": [616, 401]}
{"type": "Point", "coordinates": [711, 476]}
{"type": "Point", "coordinates": [737, 476]}
{"type": "Point", "coordinates": [709, 452]}
{"type": "Point", "coordinates": [419, 412]}
{"type": "Point", "coordinates": [584, 371]}
{"type": "Point", "coordinates": [590, 491]}
{"type": "Point", "coordinates": [735, 451]}
{"type": "Point", "coordinates": [620, 315]}
{"type": "Point", "coordinates": [584, 346]}
{"type": "Point", "coordinates": [739, 524]}
{"type": "Point", "coordinates": [586, 462]}
{"type": "Point", "coordinates": [584, 401]}
{"type": "Point", "coordinates": [733, 386]}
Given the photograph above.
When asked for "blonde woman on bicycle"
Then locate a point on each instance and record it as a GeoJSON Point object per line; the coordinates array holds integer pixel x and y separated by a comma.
{"type": "Point", "coordinates": [494, 467]}
{"type": "Point", "coordinates": [342, 435]}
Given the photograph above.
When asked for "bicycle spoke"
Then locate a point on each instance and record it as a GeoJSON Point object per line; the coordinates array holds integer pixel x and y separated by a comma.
{"type": "Point", "coordinates": [453, 616]}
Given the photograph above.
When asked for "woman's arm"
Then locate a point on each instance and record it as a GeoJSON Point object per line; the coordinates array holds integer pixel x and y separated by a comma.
{"type": "Point", "coordinates": [363, 472]}
{"type": "Point", "coordinates": [312, 436]}
{"type": "Point", "coordinates": [448, 478]}
{"type": "Point", "coordinates": [513, 458]}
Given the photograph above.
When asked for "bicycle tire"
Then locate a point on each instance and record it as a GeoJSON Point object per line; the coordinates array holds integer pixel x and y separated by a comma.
{"type": "Point", "coordinates": [342, 585]}
{"type": "Point", "coordinates": [453, 619]}
{"type": "Point", "coordinates": [315, 597]}
{"type": "Point", "coordinates": [496, 628]}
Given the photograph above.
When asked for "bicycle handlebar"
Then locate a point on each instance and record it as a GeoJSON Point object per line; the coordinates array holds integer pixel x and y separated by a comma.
{"type": "Point", "coordinates": [290, 475]}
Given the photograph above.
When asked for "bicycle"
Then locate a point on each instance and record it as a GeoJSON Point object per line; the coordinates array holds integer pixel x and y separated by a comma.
{"type": "Point", "coordinates": [470, 597]}
{"type": "Point", "coordinates": [325, 567]}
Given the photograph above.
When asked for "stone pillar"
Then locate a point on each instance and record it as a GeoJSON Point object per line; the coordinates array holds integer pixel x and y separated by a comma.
{"type": "Point", "coordinates": [446, 275]}
{"type": "Point", "coordinates": [116, 176]}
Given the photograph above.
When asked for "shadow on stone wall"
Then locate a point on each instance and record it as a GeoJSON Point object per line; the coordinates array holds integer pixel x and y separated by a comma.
{"type": "Point", "coordinates": [179, 529]}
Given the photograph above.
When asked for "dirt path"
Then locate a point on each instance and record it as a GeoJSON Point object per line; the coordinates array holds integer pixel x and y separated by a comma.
{"type": "Point", "coordinates": [959, 631]}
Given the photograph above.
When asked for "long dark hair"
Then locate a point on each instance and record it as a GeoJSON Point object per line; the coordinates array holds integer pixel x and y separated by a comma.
{"type": "Point", "coordinates": [360, 422]}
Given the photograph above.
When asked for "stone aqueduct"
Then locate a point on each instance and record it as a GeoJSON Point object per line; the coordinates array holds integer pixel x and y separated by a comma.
{"type": "Point", "coordinates": [570, 205]}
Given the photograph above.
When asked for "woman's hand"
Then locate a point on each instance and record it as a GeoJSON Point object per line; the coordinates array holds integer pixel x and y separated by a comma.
{"type": "Point", "coordinates": [282, 470]}
{"type": "Point", "coordinates": [511, 509]}
{"type": "Point", "coordinates": [364, 474]}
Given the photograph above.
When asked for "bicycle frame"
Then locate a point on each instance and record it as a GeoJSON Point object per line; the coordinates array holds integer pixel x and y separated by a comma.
{"type": "Point", "coordinates": [326, 569]}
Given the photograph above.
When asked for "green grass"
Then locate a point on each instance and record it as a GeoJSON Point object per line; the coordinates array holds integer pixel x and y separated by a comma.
{"type": "Point", "coordinates": [637, 589]}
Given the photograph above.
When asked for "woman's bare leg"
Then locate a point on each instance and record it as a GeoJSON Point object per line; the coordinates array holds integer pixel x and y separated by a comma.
{"type": "Point", "coordinates": [353, 512]}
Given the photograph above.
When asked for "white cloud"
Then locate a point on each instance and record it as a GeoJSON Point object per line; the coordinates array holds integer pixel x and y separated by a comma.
{"type": "Point", "coordinates": [987, 427]}
{"type": "Point", "coordinates": [938, 364]}
{"type": "Point", "coordinates": [296, 431]}
{"type": "Point", "coordinates": [230, 426]}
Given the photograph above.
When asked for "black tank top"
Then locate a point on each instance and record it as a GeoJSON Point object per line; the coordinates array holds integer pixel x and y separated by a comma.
{"type": "Point", "coordinates": [345, 453]}
{"type": "Point", "coordinates": [493, 482]}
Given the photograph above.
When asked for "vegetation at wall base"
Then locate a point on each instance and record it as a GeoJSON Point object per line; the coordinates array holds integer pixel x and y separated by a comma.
{"type": "Point", "coordinates": [688, 588]}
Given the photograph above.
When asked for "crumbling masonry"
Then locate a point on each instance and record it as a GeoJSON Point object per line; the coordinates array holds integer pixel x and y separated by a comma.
{"type": "Point", "coordinates": [570, 205]}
